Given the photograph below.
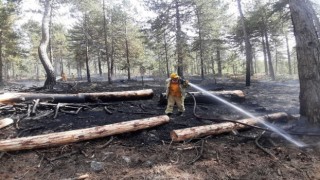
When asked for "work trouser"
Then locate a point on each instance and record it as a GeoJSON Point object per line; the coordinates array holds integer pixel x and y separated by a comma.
{"type": "Point", "coordinates": [172, 100]}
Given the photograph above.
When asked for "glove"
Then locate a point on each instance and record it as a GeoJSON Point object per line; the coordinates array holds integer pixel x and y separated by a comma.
{"type": "Point", "coordinates": [184, 82]}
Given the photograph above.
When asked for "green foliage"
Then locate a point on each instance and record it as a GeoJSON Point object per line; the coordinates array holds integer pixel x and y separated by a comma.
{"type": "Point", "coordinates": [152, 44]}
{"type": "Point", "coordinates": [9, 49]}
{"type": "Point", "coordinates": [117, 22]}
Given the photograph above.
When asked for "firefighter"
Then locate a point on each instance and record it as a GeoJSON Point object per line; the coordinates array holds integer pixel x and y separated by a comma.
{"type": "Point", "coordinates": [176, 92]}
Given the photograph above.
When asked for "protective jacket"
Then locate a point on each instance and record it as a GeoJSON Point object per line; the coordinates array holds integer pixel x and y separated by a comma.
{"type": "Point", "coordinates": [182, 87]}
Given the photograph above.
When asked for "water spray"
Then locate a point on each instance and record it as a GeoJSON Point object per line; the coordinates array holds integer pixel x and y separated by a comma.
{"type": "Point", "coordinates": [266, 124]}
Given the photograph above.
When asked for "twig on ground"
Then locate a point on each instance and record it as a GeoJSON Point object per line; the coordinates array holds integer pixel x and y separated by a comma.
{"type": "Point", "coordinates": [6, 107]}
{"type": "Point", "coordinates": [84, 176]}
{"type": "Point", "coordinates": [264, 149]}
{"type": "Point", "coordinates": [56, 111]}
{"type": "Point", "coordinates": [175, 161]}
{"type": "Point", "coordinates": [236, 133]}
{"type": "Point", "coordinates": [217, 157]}
{"type": "Point", "coordinates": [107, 143]}
{"type": "Point", "coordinates": [63, 156]}
{"type": "Point", "coordinates": [29, 110]}
{"type": "Point", "coordinates": [17, 123]}
{"type": "Point", "coordinates": [142, 107]}
{"type": "Point", "coordinates": [1, 154]}
{"type": "Point", "coordinates": [36, 103]}
{"type": "Point", "coordinates": [199, 154]}
{"type": "Point", "coordinates": [107, 110]}
{"type": "Point", "coordinates": [71, 112]}
{"type": "Point", "coordinates": [40, 116]}
{"type": "Point", "coordinates": [79, 109]}
{"type": "Point", "coordinates": [182, 148]}
{"type": "Point", "coordinates": [39, 165]}
{"type": "Point", "coordinates": [84, 153]}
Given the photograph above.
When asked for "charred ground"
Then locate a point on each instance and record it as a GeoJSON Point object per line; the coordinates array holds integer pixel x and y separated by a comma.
{"type": "Point", "coordinates": [150, 154]}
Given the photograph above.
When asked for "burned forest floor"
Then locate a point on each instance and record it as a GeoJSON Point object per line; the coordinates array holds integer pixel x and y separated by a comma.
{"type": "Point", "coordinates": [150, 153]}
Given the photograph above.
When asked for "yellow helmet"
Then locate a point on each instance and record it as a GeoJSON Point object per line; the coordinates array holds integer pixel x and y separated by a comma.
{"type": "Point", "coordinates": [174, 75]}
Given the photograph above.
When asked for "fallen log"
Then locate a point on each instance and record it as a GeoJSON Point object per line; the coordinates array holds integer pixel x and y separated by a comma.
{"type": "Point", "coordinates": [11, 98]}
{"type": "Point", "coordinates": [214, 129]}
{"type": "Point", "coordinates": [60, 138]}
{"type": "Point", "coordinates": [235, 96]}
{"type": "Point", "coordinates": [5, 122]}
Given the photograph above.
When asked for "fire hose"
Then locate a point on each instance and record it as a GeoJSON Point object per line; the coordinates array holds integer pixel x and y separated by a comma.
{"type": "Point", "coordinates": [235, 121]}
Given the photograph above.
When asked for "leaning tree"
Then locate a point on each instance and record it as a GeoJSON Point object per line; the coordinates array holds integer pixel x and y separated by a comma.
{"type": "Point", "coordinates": [307, 30]}
{"type": "Point", "coordinates": [42, 49]}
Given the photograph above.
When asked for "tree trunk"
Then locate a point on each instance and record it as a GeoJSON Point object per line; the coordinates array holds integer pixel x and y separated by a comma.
{"type": "Point", "coordinates": [112, 70]}
{"type": "Point", "coordinates": [166, 51]}
{"type": "Point", "coordinates": [1, 63]}
{"type": "Point", "coordinates": [42, 49]}
{"type": "Point", "coordinates": [252, 67]}
{"type": "Point", "coordinates": [254, 63]}
{"type": "Point", "coordinates": [87, 61]}
{"type": "Point", "coordinates": [50, 38]}
{"type": "Point", "coordinates": [11, 98]}
{"type": "Point", "coordinates": [105, 30]}
{"type": "Point", "coordinates": [235, 95]}
{"type": "Point", "coordinates": [99, 64]}
{"type": "Point", "coordinates": [271, 71]}
{"type": "Point", "coordinates": [6, 72]}
{"type": "Point", "coordinates": [95, 67]}
{"type": "Point", "coordinates": [212, 66]}
{"type": "Point", "coordinates": [69, 71]}
{"type": "Point", "coordinates": [13, 70]}
{"type": "Point", "coordinates": [179, 39]}
{"type": "Point", "coordinates": [79, 70]}
{"type": "Point", "coordinates": [87, 47]}
{"type": "Point", "coordinates": [288, 54]}
{"type": "Point", "coordinates": [264, 54]}
{"type": "Point", "coordinates": [214, 129]}
{"type": "Point", "coordinates": [197, 63]}
{"type": "Point", "coordinates": [61, 63]}
{"type": "Point", "coordinates": [314, 15]}
{"type": "Point", "coordinates": [276, 58]}
{"type": "Point", "coordinates": [247, 45]}
{"type": "Point", "coordinates": [219, 63]}
{"type": "Point", "coordinates": [61, 138]}
{"type": "Point", "coordinates": [127, 51]}
{"type": "Point", "coordinates": [37, 70]}
{"type": "Point", "coordinates": [200, 42]}
{"type": "Point", "coordinates": [308, 57]}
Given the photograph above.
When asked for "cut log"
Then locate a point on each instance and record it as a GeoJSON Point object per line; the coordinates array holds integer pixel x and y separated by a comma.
{"type": "Point", "coordinates": [5, 122]}
{"type": "Point", "coordinates": [235, 96]}
{"type": "Point", "coordinates": [11, 98]}
{"type": "Point", "coordinates": [214, 129]}
{"type": "Point", "coordinates": [60, 138]}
